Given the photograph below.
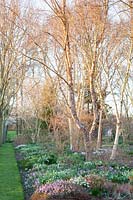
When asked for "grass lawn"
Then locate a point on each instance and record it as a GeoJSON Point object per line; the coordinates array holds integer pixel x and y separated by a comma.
{"type": "Point", "coordinates": [11, 135]}
{"type": "Point", "coordinates": [10, 182]}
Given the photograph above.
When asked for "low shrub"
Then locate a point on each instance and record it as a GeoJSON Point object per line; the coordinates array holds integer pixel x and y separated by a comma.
{"type": "Point", "coordinates": [27, 163]}
{"type": "Point", "coordinates": [71, 159]}
{"type": "Point", "coordinates": [75, 195]}
{"type": "Point", "coordinates": [48, 159]}
{"type": "Point", "coordinates": [51, 176]}
{"type": "Point", "coordinates": [109, 187]}
{"type": "Point", "coordinates": [96, 184]}
{"type": "Point", "coordinates": [118, 176]}
{"type": "Point", "coordinates": [61, 190]}
{"type": "Point", "coordinates": [39, 196]}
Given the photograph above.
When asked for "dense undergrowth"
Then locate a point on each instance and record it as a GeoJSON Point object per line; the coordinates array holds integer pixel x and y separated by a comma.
{"type": "Point", "coordinates": [41, 166]}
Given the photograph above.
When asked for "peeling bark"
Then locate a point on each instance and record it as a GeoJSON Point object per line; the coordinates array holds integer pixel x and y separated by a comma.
{"type": "Point", "coordinates": [115, 146]}
{"type": "Point", "coordinates": [99, 138]}
{"type": "Point", "coordinates": [94, 102]}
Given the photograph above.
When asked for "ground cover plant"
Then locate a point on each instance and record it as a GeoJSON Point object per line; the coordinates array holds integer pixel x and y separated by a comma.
{"type": "Point", "coordinates": [41, 166]}
{"type": "Point", "coordinates": [61, 190]}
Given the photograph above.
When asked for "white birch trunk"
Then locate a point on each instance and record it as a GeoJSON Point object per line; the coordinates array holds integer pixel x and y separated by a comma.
{"type": "Point", "coordinates": [99, 138]}
{"type": "Point", "coordinates": [116, 141]}
{"type": "Point", "coordinates": [70, 124]}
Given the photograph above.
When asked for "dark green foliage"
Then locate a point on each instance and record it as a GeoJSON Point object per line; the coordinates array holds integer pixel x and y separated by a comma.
{"type": "Point", "coordinates": [130, 152]}
{"type": "Point", "coordinates": [27, 163]}
{"type": "Point", "coordinates": [119, 177]}
{"type": "Point", "coordinates": [33, 154]}
{"type": "Point", "coordinates": [71, 159]}
{"type": "Point", "coordinates": [118, 174]}
{"type": "Point", "coordinates": [48, 159]}
{"type": "Point", "coordinates": [44, 125]}
{"type": "Point", "coordinates": [51, 176]}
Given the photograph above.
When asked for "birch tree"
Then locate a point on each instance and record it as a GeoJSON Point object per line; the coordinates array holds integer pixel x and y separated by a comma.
{"type": "Point", "coordinates": [61, 34]}
{"type": "Point", "coordinates": [12, 64]}
{"type": "Point", "coordinates": [124, 80]}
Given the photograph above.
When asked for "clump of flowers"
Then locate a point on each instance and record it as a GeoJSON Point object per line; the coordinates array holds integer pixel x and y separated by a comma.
{"type": "Point", "coordinates": [58, 187]}
{"type": "Point", "coordinates": [80, 181]}
{"type": "Point", "coordinates": [61, 190]}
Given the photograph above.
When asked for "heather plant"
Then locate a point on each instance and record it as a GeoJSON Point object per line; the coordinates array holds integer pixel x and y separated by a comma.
{"type": "Point", "coordinates": [39, 196]}
{"type": "Point", "coordinates": [58, 187]}
{"type": "Point", "coordinates": [62, 190]}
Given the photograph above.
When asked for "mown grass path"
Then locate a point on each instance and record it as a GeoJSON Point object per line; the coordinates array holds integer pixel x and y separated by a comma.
{"type": "Point", "coordinates": [10, 182]}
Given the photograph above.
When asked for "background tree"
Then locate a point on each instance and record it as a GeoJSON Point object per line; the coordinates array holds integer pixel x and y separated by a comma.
{"type": "Point", "coordinates": [12, 62]}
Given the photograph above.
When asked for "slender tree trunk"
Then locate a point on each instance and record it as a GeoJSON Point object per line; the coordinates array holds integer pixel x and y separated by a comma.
{"type": "Point", "coordinates": [78, 123]}
{"type": "Point", "coordinates": [115, 146]}
{"type": "Point", "coordinates": [70, 124]}
{"type": "Point", "coordinates": [21, 123]}
{"type": "Point", "coordinates": [118, 125]}
{"type": "Point", "coordinates": [17, 124]}
{"type": "Point", "coordinates": [4, 128]}
{"type": "Point", "coordinates": [38, 129]}
{"type": "Point", "coordinates": [5, 116]}
{"type": "Point", "coordinates": [17, 119]}
{"type": "Point", "coordinates": [94, 103]}
{"type": "Point", "coordinates": [99, 138]}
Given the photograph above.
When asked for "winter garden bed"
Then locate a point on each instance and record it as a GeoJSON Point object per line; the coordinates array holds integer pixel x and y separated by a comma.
{"type": "Point", "coordinates": [42, 168]}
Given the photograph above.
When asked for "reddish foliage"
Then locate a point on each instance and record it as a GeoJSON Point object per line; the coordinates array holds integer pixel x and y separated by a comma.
{"type": "Point", "coordinates": [39, 196]}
